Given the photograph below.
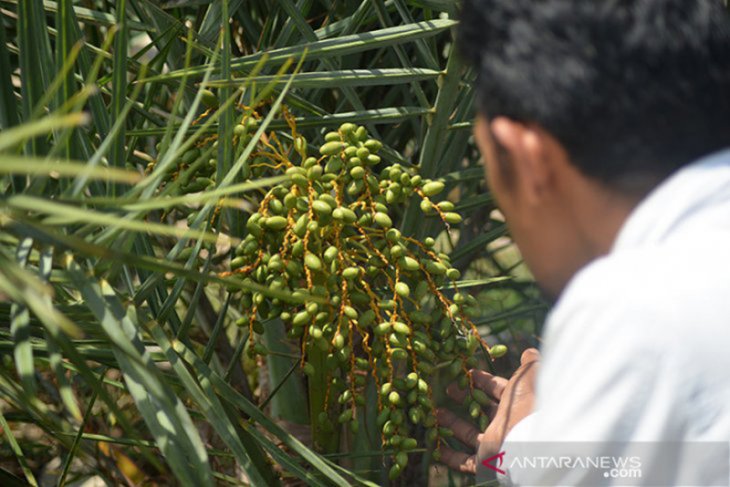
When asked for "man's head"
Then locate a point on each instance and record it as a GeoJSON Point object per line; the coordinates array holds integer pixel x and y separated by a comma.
{"type": "Point", "coordinates": [585, 106]}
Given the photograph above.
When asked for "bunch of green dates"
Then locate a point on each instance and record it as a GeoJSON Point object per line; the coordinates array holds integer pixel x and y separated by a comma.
{"type": "Point", "coordinates": [383, 307]}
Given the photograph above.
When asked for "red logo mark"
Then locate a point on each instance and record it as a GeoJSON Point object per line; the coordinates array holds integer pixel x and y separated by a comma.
{"type": "Point", "coordinates": [488, 462]}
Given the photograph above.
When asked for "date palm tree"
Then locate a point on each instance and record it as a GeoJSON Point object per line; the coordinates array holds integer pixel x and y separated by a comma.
{"type": "Point", "coordinates": [121, 354]}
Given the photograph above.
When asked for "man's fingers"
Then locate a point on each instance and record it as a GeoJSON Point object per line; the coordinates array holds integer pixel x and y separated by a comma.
{"type": "Point", "coordinates": [456, 393]}
{"type": "Point", "coordinates": [459, 461]}
{"type": "Point", "coordinates": [491, 384]}
{"type": "Point", "coordinates": [492, 411]}
{"type": "Point", "coordinates": [464, 431]}
{"type": "Point", "coordinates": [529, 355]}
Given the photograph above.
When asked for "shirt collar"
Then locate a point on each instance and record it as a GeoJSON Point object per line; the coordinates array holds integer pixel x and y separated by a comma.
{"type": "Point", "coordinates": [678, 200]}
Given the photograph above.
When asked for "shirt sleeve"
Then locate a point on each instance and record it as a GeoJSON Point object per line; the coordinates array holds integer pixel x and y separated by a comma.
{"type": "Point", "coordinates": [598, 393]}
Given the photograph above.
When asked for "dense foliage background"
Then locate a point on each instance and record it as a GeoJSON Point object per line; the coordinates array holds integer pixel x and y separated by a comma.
{"type": "Point", "coordinates": [121, 358]}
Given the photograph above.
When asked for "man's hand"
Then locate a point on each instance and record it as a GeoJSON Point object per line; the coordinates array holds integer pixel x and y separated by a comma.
{"type": "Point", "coordinates": [514, 399]}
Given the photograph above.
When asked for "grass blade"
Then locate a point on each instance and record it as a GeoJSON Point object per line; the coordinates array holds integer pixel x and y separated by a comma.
{"type": "Point", "coordinates": [119, 84]}
{"type": "Point", "coordinates": [164, 413]}
{"type": "Point", "coordinates": [8, 103]}
{"type": "Point", "coordinates": [15, 447]}
{"type": "Point", "coordinates": [341, 46]}
{"type": "Point", "coordinates": [339, 78]}
{"type": "Point", "coordinates": [20, 330]}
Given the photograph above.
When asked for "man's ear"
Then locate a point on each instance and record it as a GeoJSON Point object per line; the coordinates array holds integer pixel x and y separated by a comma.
{"type": "Point", "coordinates": [528, 149]}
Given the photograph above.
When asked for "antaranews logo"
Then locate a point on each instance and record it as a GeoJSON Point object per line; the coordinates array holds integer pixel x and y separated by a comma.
{"type": "Point", "coordinates": [606, 463]}
{"type": "Point", "coordinates": [488, 462]}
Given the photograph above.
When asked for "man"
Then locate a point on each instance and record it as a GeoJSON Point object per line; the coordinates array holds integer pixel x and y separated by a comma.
{"type": "Point", "coordinates": [604, 128]}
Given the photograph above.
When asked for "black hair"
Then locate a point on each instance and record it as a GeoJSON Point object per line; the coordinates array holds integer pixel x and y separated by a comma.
{"type": "Point", "coordinates": [633, 89]}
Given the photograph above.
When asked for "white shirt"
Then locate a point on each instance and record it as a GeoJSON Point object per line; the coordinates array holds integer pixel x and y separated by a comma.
{"type": "Point", "coordinates": [637, 349]}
